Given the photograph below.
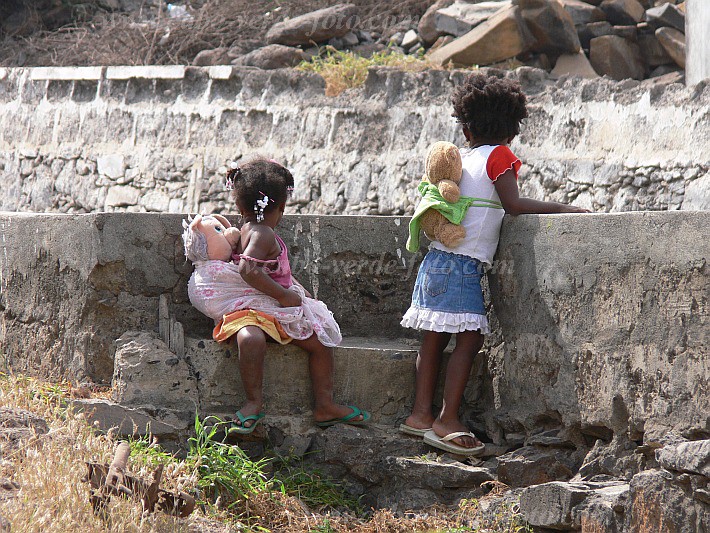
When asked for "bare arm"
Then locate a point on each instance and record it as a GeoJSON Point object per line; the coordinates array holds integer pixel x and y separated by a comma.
{"type": "Point", "coordinates": [260, 245]}
{"type": "Point", "coordinates": [507, 188]}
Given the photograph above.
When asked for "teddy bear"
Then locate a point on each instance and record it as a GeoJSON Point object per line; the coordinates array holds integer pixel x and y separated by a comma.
{"type": "Point", "coordinates": [442, 208]}
{"type": "Point", "coordinates": [209, 237]}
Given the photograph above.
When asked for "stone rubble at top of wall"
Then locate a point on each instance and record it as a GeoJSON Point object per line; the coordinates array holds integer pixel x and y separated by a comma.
{"type": "Point", "coordinates": [159, 138]}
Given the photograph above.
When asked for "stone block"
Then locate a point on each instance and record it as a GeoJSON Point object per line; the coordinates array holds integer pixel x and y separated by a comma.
{"type": "Point", "coordinates": [551, 25]}
{"type": "Point", "coordinates": [271, 57]}
{"type": "Point", "coordinates": [531, 465]}
{"type": "Point", "coordinates": [622, 12]}
{"type": "Point", "coordinates": [697, 195]}
{"type": "Point", "coordinates": [461, 17]}
{"type": "Point", "coordinates": [616, 57]}
{"type": "Point", "coordinates": [59, 90]}
{"type": "Point", "coordinates": [84, 91]}
{"type": "Point", "coordinates": [583, 12]}
{"type": "Point", "coordinates": [111, 166]}
{"type": "Point", "coordinates": [33, 92]}
{"type": "Point", "coordinates": [497, 39]}
{"type": "Point", "coordinates": [220, 72]}
{"type": "Point", "coordinates": [122, 196]}
{"type": "Point", "coordinates": [574, 65]}
{"type": "Point", "coordinates": [66, 73]}
{"type": "Point", "coordinates": [127, 422]}
{"type": "Point", "coordinates": [317, 26]}
{"type": "Point", "coordinates": [166, 72]}
{"type": "Point", "coordinates": [146, 372]}
{"type": "Point", "coordinates": [653, 52]}
{"type": "Point", "coordinates": [666, 15]}
{"type": "Point", "coordinates": [427, 28]}
{"type": "Point", "coordinates": [674, 43]}
{"type": "Point", "coordinates": [588, 32]}
{"type": "Point", "coordinates": [550, 505]}
{"type": "Point", "coordinates": [691, 457]}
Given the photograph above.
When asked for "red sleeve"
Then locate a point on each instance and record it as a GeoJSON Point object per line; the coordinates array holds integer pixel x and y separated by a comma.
{"type": "Point", "coordinates": [500, 160]}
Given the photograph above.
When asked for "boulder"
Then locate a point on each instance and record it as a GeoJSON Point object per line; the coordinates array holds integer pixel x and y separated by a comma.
{"type": "Point", "coordinates": [409, 40]}
{"type": "Point", "coordinates": [691, 457]}
{"type": "Point", "coordinates": [653, 52]}
{"type": "Point", "coordinates": [461, 17]}
{"type": "Point", "coordinates": [616, 57]}
{"type": "Point", "coordinates": [666, 15]}
{"type": "Point", "coordinates": [208, 58]}
{"type": "Point", "coordinates": [497, 39]}
{"type": "Point", "coordinates": [674, 43]}
{"type": "Point", "coordinates": [426, 28]}
{"type": "Point", "coordinates": [531, 465]}
{"type": "Point", "coordinates": [564, 506]}
{"type": "Point", "coordinates": [551, 25]}
{"type": "Point", "coordinates": [17, 425]}
{"type": "Point", "coordinates": [315, 27]}
{"type": "Point", "coordinates": [147, 373]}
{"type": "Point", "coordinates": [622, 12]}
{"type": "Point", "coordinates": [595, 29]}
{"type": "Point", "coordinates": [271, 57]}
{"type": "Point", "coordinates": [573, 65]}
{"type": "Point", "coordinates": [658, 501]}
{"type": "Point", "coordinates": [582, 12]}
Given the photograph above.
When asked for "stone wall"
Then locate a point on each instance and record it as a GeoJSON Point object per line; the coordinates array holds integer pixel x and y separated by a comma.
{"type": "Point", "coordinates": [600, 321]}
{"type": "Point", "coordinates": [157, 139]}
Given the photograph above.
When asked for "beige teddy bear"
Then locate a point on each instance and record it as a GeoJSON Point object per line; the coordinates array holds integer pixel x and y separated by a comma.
{"type": "Point", "coordinates": [440, 194]}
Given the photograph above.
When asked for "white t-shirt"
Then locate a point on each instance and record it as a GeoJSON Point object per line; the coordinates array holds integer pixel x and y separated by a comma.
{"type": "Point", "coordinates": [481, 168]}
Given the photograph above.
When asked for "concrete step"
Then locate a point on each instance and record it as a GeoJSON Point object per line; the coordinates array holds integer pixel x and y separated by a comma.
{"type": "Point", "coordinates": [374, 374]}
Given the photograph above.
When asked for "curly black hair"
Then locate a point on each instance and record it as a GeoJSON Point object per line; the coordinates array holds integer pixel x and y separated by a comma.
{"type": "Point", "coordinates": [489, 107]}
{"type": "Point", "coordinates": [258, 178]}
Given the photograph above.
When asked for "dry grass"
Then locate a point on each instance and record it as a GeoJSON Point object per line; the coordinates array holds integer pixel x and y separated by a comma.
{"type": "Point", "coordinates": [134, 39]}
{"type": "Point", "coordinates": [49, 469]}
{"type": "Point", "coordinates": [345, 70]}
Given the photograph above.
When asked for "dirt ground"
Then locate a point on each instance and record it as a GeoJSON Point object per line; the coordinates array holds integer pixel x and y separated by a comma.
{"type": "Point", "coordinates": [142, 32]}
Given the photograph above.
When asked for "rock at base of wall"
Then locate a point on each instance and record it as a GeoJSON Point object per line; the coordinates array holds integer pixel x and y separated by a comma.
{"type": "Point", "coordinates": [674, 43]}
{"type": "Point", "coordinates": [616, 57]}
{"type": "Point", "coordinates": [531, 465]}
{"type": "Point", "coordinates": [495, 40]}
{"type": "Point", "coordinates": [666, 15]}
{"type": "Point", "coordinates": [315, 27]}
{"type": "Point", "coordinates": [583, 12]}
{"type": "Point", "coordinates": [146, 372]}
{"type": "Point", "coordinates": [272, 57]}
{"type": "Point", "coordinates": [208, 58]}
{"type": "Point", "coordinates": [659, 501]}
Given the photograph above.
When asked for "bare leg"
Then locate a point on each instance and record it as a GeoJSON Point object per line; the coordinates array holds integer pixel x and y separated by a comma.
{"type": "Point", "coordinates": [428, 362]}
{"type": "Point", "coordinates": [468, 344]}
{"type": "Point", "coordinates": [252, 348]}
{"type": "Point", "coordinates": [320, 365]}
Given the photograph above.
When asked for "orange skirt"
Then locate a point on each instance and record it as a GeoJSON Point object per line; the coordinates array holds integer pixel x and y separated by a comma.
{"type": "Point", "coordinates": [233, 322]}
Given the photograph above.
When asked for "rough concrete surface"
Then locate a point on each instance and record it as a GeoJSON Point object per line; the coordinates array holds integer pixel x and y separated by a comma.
{"type": "Point", "coordinates": [159, 139]}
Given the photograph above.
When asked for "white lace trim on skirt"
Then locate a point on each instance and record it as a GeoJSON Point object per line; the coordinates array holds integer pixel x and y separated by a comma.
{"type": "Point", "coordinates": [441, 321]}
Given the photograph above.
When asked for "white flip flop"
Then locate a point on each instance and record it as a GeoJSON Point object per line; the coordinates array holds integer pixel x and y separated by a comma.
{"type": "Point", "coordinates": [415, 432]}
{"type": "Point", "coordinates": [444, 443]}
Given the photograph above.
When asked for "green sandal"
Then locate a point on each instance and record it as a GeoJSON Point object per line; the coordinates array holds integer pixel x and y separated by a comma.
{"type": "Point", "coordinates": [242, 429]}
{"type": "Point", "coordinates": [347, 419]}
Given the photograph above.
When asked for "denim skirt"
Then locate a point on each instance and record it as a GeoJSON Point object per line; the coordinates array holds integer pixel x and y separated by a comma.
{"type": "Point", "coordinates": [447, 295]}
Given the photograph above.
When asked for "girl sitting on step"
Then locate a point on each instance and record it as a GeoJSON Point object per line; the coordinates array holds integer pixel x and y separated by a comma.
{"type": "Point", "coordinates": [268, 301]}
{"type": "Point", "coordinates": [447, 296]}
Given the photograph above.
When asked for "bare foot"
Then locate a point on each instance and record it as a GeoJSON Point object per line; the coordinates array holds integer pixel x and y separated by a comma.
{"type": "Point", "coordinates": [333, 412]}
{"type": "Point", "coordinates": [442, 429]}
{"type": "Point", "coordinates": [249, 409]}
{"type": "Point", "coordinates": [420, 421]}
